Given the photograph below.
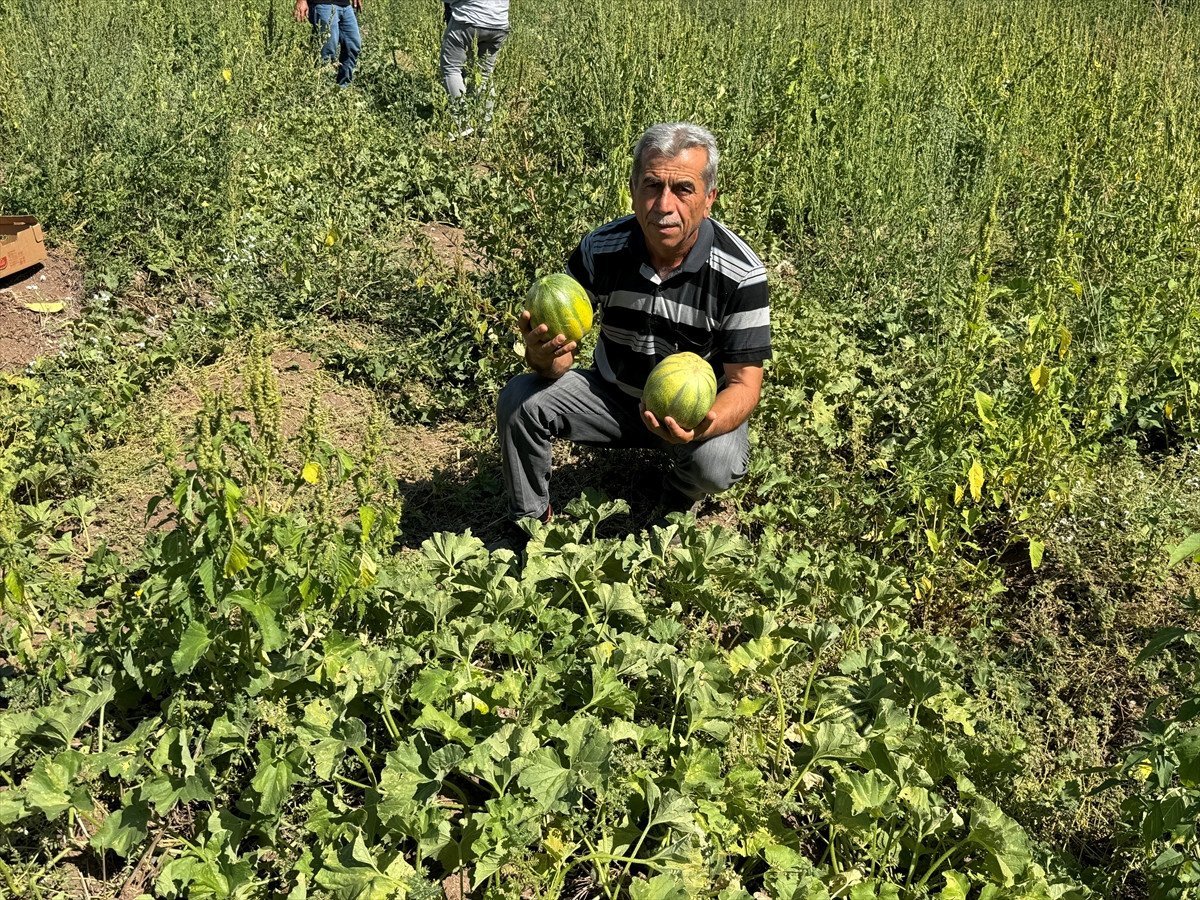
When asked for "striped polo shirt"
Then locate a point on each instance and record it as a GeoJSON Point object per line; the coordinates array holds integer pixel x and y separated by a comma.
{"type": "Point", "coordinates": [714, 305]}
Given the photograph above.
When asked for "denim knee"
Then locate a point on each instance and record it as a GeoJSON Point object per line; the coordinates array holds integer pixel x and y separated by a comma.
{"type": "Point", "coordinates": [715, 466]}
{"type": "Point", "coordinates": [515, 395]}
{"type": "Point", "coordinates": [716, 480]}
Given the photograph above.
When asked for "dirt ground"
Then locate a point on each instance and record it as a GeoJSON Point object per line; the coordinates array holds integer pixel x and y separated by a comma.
{"type": "Point", "coordinates": [415, 456]}
{"type": "Point", "coordinates": [24, 333]}
{"type": "Point", "coordinates": [438, 248]}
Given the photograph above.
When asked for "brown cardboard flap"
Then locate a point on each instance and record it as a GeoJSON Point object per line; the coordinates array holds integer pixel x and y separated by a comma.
{"type": "Point", "coordinates": [22, 244]}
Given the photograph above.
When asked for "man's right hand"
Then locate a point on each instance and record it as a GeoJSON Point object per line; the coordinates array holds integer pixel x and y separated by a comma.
{"type": "Point", "coordinates": [548, 355]}
{"type": "Point", "coordinates": [300, 13]}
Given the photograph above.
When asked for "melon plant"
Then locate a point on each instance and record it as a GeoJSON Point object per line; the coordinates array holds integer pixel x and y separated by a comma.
{"type": "Point", "coordinates": [560, 302]}
{"type": "Point", "coordinates": [683, 387]}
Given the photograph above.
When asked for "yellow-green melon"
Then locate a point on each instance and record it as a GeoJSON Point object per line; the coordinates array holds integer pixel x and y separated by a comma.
{"type": "Point", "coordinates": [560, 302]}
{"type": "Point", "coordinates": [683, 387]}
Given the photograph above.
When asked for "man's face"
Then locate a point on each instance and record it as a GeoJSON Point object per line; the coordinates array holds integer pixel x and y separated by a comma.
{"type": "Point", "coordinates": [670, 202]}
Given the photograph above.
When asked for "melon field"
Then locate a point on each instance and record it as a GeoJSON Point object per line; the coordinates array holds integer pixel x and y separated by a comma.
{"type": "Point", "coordinates": [941, 642]}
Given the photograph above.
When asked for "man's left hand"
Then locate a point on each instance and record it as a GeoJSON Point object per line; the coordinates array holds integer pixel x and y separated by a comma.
{"type": "Point", "coordinates": [671, 431]}
{"type": "Point", "coordinates": [357, 4]}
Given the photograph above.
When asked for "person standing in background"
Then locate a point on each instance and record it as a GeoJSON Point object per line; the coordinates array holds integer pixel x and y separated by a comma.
{"type": "Point", "coordinates": [482, 26]}
{"type": "Point", "coordinates": [335, 23]}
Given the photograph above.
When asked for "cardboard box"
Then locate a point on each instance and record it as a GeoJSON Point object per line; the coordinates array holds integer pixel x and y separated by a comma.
{"type": "Point", "coordinates": [22, 244]}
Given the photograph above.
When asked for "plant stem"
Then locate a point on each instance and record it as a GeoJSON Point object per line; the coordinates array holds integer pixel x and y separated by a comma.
{"type": "Point", "coordinates": [782, 722]}
{"type": "Point", "coordinates": [937, 863]}
{"type": "Point", "coordinates": [812, 675]}
{"type": "Point", "coordinates": [367, 765]}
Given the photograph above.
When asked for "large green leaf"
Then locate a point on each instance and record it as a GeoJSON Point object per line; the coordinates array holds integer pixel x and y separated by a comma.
{"type": "Point", "coordinates": [546, 779]}
{"type": "Point", "coordinates": [760, 656]}
{"type": "Point", "coordinates": [957, 887]}
{"type": "Point", "coordinates": [12, 806]}
{"type": "Point", "coordinates": [163, 792]}
{"type": "Point", "coordinates": [1007, 846]}
{"type": "Point", "coordinates": [588, 750]}
{"type": "Point", "coordinates": [670, 808]}
{"type": "Point", "coordinates": [609, 692]}
{"type": "Point", "coordinates": [204, 874]}
{"type": "Point", "coordinates": [1162, 639]}
{"type": "Point", "coordinates": [699, 773]}
{"type": "Point", "coordinates": [1189, 546]}
{"type": "Point", "coordinates": [272, 780]}
{"type": "Point", "coordinates": [1187, 751]}
{"type": "Point", "coordinates": [14, 728]}
{"type": "Point", "coordinates": [660, 887]}
{"type": "Point", "coordinates": [869, 792]}
{"type": "Point", "coordinates": [403, 784]}
{"type": "Point", "coordinates": [269, 630]}
{"type": "Point", "coordinates": [445, 725]}
{"type": "Point", "coordinates": [357, 875]}
{"type": "Point", "coordinates": [325, 737]}
{"type": "Point", "coordinates": [63, 721]}
{"type": "Point", "coordinates": [619, 598]}
{"type": "Point", "coordinates": [53, 786]}
{"type": "Point", "coordinates": [124, 830]}
{"type": "Point", "coordinates": [830, 740]}
{"type": "Point", "coordinates": [192, 646]}
{"type": "Point", "coordinates": [500, 758]}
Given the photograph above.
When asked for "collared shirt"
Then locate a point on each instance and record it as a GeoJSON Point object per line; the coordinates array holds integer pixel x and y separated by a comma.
{"type": "Point", "coordinates": [714, 305]}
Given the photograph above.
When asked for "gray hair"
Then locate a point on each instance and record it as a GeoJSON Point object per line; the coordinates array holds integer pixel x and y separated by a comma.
{"type": "Point", "coordinates": [669, 139]}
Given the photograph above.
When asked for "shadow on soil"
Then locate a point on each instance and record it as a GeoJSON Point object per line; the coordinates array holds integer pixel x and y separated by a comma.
{"type": "Point", "coordinates": [472, 496]}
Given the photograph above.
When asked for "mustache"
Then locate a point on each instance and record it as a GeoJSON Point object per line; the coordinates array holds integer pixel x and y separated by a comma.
{"type": "Point", "coordinates": [667, 220]}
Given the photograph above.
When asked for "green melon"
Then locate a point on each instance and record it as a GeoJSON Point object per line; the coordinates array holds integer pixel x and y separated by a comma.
{"type": "Point", "coordinates": [683, 387]}
{"type": "Point", "coordinates": [561, 303]}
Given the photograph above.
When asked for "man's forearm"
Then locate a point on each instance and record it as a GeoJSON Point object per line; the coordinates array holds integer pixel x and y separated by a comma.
{"type": "Point", "coordinates": [731, 408]}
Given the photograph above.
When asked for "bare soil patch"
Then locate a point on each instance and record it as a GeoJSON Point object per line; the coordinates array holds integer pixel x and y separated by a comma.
{"type": "Point", "coordinates": [26, 334]}
{"type": "Point", "coordinates": [439, 247]}
{"type": "Point", "coordinates": [415, 456]}
{"type": "Point", "coordinates": [403, 61]}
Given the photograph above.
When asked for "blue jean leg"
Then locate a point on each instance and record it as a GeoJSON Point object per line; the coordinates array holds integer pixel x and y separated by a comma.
{"type": "Point", "coordinates": [338, 25]}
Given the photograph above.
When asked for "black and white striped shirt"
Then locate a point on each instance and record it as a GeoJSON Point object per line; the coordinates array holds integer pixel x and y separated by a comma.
{"type": "Point", "coordinates": [714, 305]}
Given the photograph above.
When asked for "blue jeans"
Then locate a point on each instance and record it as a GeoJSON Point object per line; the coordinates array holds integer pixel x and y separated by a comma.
{"type": "Point", "coordinates": [338, 25]}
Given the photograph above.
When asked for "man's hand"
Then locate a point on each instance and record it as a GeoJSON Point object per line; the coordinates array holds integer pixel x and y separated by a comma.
{"type": "Point", "coordinates": [357, 5]}
{"type": "Point", "coordinates": [300, 13]}
{"type": "Point", "coordinates": [672, 432]}
{"type": "Point", "coordinates": [734, 403]}
{"type": "Point", "coordinates": [548, 355]}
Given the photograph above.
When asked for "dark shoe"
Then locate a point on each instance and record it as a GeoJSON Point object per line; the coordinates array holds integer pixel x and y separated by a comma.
{"type": "Point", "coordinates": [514, 537]}
{"type": "Point", "coordinates": [675, 501]}
{"type": "Point", "coordinates": [672, 505]}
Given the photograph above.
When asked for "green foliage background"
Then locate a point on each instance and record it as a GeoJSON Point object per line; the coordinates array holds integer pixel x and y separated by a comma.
{"type": "Point", "coordinates": [976, 450]}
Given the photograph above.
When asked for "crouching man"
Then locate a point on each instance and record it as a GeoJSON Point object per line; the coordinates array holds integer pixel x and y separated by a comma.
{"type": "Point", "coordinates": [664, 280]}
